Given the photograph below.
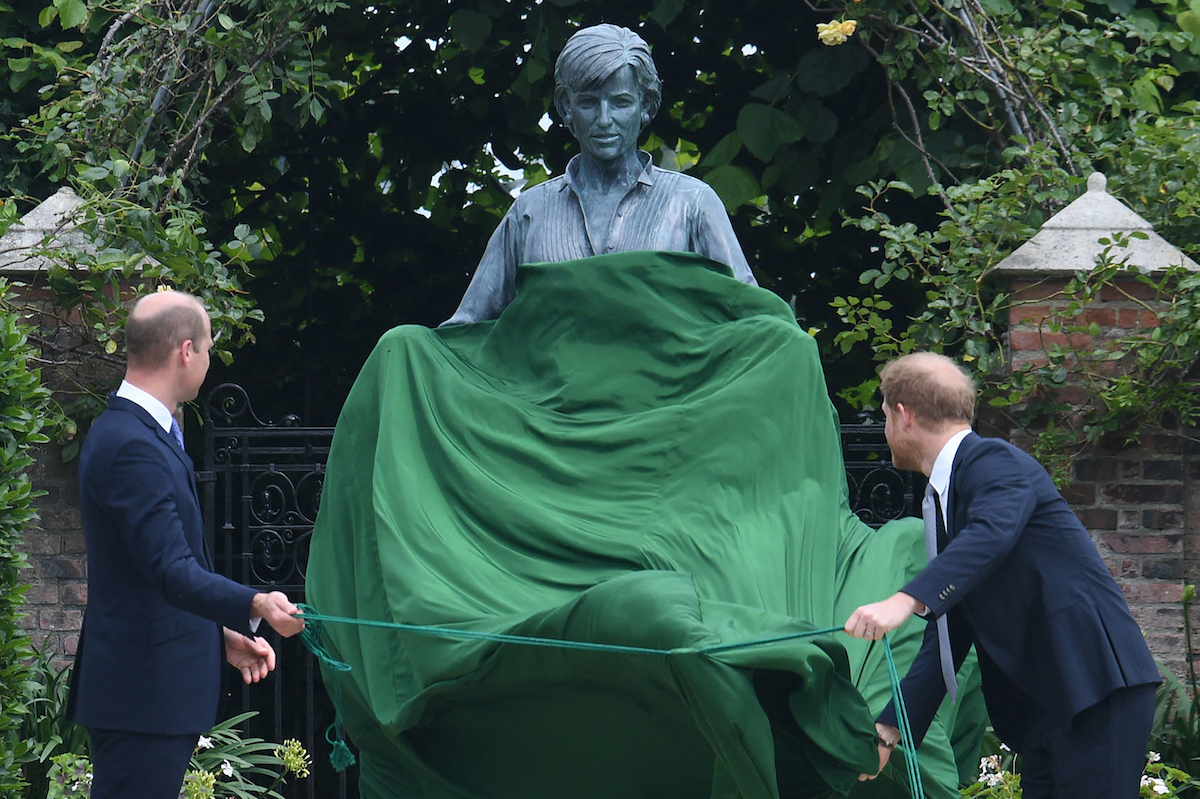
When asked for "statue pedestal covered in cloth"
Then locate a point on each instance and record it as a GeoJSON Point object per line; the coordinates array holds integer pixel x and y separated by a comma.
{"type": "Point", "coordinates": [640, 451]}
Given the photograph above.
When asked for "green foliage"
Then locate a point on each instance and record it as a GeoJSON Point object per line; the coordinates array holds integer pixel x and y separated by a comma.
{"type": "Point", "coordinates": [126, 127]}
{"type": "Point", "coordinates": [1069, 92]}
{"type": "Point", "coordinates": [70, 777]}
{"type": "Point", "coordinates": [26, 416]}
{"type": "Point", "coordinates": [225, 763]}
{"type": "Point", "coordinates": [44, 730]}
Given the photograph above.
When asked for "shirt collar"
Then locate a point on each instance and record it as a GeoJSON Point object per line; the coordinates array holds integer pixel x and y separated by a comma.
{"type": "Point", "coordinates": [148, 401]}
{"type": "Point", "coordinates": [939, 477]}
{"type": "Point", "coordinates": [646, 177]}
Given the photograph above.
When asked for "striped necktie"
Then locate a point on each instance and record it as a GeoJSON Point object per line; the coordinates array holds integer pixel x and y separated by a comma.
{"type": "Point", "coordinates": [930, 511]}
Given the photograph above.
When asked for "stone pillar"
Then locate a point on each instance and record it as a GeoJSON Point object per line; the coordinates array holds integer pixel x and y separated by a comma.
{"type": "Point", "coordinates": [54, 543]}
{"type": "Point", "coordinates": [1140, 501]}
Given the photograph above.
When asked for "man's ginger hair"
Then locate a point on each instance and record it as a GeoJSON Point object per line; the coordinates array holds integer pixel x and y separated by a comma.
{"type": "Point", "coordinates": [936, 389]}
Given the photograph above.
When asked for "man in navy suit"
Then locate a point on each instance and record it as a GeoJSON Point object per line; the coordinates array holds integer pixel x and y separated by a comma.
{"type": "Point", "coordinates": [1068, 680]}
{"type": "Point", "coordinates": [148, 671]}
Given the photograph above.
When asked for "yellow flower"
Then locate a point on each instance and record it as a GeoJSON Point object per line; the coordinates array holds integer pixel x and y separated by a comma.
{"type": "Point", "coordinates": [294, 758]}
{"type": "Point", "coordinates": [831, 33]}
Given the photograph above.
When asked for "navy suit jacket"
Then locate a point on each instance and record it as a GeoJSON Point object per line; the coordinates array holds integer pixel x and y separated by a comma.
{"type": "Point", "coordinates": [1019, 578]}
{"type": "Point", "coordinates": [151, 654]}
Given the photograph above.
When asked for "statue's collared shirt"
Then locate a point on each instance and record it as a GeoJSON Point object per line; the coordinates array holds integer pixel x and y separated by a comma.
{"type": "Point", "coordinates": [663, 210]}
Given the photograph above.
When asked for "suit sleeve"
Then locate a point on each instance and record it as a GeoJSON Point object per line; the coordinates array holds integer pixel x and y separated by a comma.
{"type": "Point", "coordinates": [1000, 499]}
{"type": "Point", "coordinates": [141, 495]}
{"type": "Point", "coordinates": [923, 687]}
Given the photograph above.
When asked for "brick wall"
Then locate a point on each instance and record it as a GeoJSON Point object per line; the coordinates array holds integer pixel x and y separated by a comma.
{"type": "Point", "coordinates": [57, 558]}
{"type": "Point", "coordinates": [1140, 501]}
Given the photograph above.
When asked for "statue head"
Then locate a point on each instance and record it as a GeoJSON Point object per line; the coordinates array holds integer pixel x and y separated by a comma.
{"type": "Point", "coordinates": [593, 55]}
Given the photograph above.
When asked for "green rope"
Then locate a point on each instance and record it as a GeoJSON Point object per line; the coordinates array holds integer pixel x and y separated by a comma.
{"type": "Point", "coordinates": [906, 738]}
{"type": "Point", "coordinates": [342, 757]}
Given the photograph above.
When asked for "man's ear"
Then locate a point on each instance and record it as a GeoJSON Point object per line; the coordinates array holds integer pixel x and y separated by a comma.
{"type": "Point", "coordinates": [905, 415]}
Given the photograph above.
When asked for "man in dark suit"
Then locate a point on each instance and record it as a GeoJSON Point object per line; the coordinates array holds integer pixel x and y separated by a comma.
{"type": "Point", "coordinates": [1068, 680]}
{"type": "Point", "coordinates": [148, 672]}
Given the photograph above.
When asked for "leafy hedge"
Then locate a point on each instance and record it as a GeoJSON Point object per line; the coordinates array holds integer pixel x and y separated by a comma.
{"type": "Point", "coordinates": [26, 414]}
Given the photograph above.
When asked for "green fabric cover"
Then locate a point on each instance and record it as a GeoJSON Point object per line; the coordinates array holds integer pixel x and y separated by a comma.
{"type": "Point", "coordinates": [639, 451]}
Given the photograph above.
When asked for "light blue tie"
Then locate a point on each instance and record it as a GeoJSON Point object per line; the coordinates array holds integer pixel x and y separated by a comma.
{"type": "Point", "coordinates": [929, 512]}
{"type": "Point", "coordinates": [176, 432]}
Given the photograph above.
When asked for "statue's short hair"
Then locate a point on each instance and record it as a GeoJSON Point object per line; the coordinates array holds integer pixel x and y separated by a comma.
{"type": "Point", "coordinates": [936, 389]}
{"type": "Point", "coordinates": [150, 338]}
{"type": "Point", "coordinates": [593, 54]}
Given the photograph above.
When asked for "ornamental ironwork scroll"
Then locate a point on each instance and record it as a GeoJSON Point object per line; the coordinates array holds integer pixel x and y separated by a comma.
{"type": "Point", "coordinates": [261, 488]}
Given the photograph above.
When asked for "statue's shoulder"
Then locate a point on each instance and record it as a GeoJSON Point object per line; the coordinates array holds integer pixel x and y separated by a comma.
{"type": "Point", "coordinates": [537, 196]}
{"type": "Point", "coordinates": [678, 181]}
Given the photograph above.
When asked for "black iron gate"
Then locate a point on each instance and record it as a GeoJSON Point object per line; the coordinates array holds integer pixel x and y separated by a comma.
{"type": "Point", "coordinates": [261, 486]}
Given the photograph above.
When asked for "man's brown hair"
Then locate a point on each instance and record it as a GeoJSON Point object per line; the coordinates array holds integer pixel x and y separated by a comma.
{"type": "Point", "coordinates": [933, 387]}
{"type": "Point", "coordinates": [150, 338]}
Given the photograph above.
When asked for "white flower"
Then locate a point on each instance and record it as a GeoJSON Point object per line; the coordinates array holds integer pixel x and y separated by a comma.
{"type": "Point", "coordinates": [226, 768]}
{"type": "Point", "coordinates": [204, 743]}
{"type": "Point", "coordinates": [1158, 786]}
{"type": "Point", "coordinates": [1004, 748]}
{"type": "Point", "coordinates": [1154, 757]}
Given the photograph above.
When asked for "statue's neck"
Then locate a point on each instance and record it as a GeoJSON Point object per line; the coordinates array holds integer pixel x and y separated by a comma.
{"type": "Point", "coordinates": [605, 177]}
{"type": "Point", "coordinates": [600, 187]}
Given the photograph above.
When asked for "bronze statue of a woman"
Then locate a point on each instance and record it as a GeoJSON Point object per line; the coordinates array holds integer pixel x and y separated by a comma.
{"type": "Point", "coordinates": [612, 198]}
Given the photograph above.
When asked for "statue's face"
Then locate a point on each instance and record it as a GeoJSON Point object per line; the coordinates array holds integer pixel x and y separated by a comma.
{"type": "Point", "coordinates": [608, 119]}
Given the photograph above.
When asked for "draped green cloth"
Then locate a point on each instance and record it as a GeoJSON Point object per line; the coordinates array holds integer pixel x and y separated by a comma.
{"type": "Point", "coordinates": [640, 451]}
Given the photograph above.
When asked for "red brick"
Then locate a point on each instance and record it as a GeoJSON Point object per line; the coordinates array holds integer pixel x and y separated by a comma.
{"type": "Point", "coordinates": [1101, 315]}
{"type": "Point", "coordinates": [1143, 543]}
{"type": "Point", "coordinates": [1156, 493]}
{"type": "Point", "coordinates": [1163, 470]}
{"type": "Point", "coordinates": [35, 542]}
{"type": "Point", "coordinates": [45, 593]}
{"type": "Point", "coordinates": [64, 519]}
{"type": "Point", "coordinates": [1045, 288]}
{"type": "Point", "coordinates": [74, 544]}
{"type": "Point", "coordinates": [1079, 494]}
{"type": "Point", "coordinates": [1152, 592]}
{"type": "Point", "coordinates": [1028, 340]}
{"type": "Point", "coordinates": [1097, 518]}
{"type": "Point", "coordinates": [1128, 568]}
{"type": "Point", "coordinates": [74, 594]}
{"type": "Point", "coordinates": [64, 568]}
{"type": "Point", "coordinates": [1124, 289]}
{"type": "Point", "coordinates": [1095, 469]}
{"type": "Point", "coordinates": [65, 620]}
{"type": "Point", "coordinates": [1163, 569]}
{"type": "Point", "coordinates": [1162, 519]}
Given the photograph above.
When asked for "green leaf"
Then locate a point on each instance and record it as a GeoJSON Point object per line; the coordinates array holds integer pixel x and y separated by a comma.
{"type": "Point", "coordinates": [733, 184]}
{"type": "Point", "coordinates": [47, 16]}
{"type": "Point", "coordinates": [71, 13]}
{"type": "Point", "coordinates": [764, 129]}
{"type": "Point", "coordinates": [470, 28]}
{"type": "Point", "coordinates": [665, 11]}
{"type": "Point", "coordinates": [725, 151]}
{"type": "Point", "coordinates": [94, 173]}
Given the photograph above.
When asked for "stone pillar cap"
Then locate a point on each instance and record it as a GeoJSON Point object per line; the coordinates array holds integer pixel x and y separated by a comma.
{"type": "Point", "coordinates": [1070, 240]}
{"type": "Point", "coordinates": [18, 246]}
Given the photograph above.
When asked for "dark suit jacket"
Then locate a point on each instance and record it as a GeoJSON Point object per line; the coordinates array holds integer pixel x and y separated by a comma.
{"type": "Point", "coordinates": [1020, 578]}
{"type": "Point", "coordinates": [151, 653]}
